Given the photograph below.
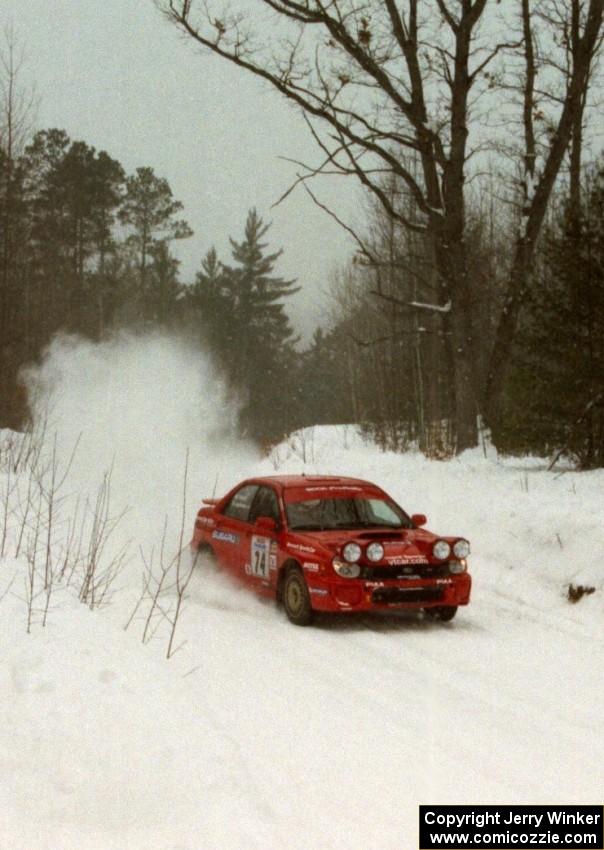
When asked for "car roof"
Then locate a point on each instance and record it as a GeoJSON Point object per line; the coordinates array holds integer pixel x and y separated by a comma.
{"type": "Point", "coordinates": [297, 481]}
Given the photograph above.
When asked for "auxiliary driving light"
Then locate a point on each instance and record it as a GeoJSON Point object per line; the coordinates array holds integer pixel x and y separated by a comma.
{"type": "Point", "coordinates": [352, 552]}
{"type": "Point", "coordinates": [441, 550]}
{"type": "Point", "coordinates": [375, 552]}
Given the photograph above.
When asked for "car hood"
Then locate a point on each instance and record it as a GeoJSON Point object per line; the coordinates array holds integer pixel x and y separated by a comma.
{"type": "Point", "coordinates": [399, 546]}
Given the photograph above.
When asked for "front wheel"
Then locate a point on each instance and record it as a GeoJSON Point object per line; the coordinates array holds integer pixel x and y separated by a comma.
{"type": "Point", "coordinates": [296, 598]}
{"type": "Point", "coordinates": [444, 613]}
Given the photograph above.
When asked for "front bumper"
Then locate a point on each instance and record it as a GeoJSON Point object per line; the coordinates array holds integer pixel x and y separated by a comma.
{"type": "Point", "coordinates": [363, 595]}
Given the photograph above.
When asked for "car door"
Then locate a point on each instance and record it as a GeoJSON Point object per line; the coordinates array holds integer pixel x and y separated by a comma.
{"type": "Point", "coordinates": [263, 542]}
{"type": "Point", "coordinates": [230, 537]}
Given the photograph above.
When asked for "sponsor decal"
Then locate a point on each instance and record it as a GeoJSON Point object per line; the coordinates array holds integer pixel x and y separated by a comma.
{"type": "Point", "coordinates": [274, 547]}
{"type": "Point", "coordinates": [225, 536]}
{"type": "Point", "coordinates": [260, 556]}
{"type": "Point", "coordinates": [318, 591]}
{"type": "Point", "coordinates": [331, 488]}
{"type": "Point", "coordinates": [400, 560]}
{"type": "Point", "coordinates": [311, 566]}
{"type": "Point", "coordinates": [272, 562]}
{"type": "Point", "coordinates": [298, 547]}
{"type": "Point", "coordinates": [444, 581]}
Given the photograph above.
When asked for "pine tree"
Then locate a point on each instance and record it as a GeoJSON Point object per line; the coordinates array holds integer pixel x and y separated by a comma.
{"type": "Point", "coordinates": [256, 299]}
{"type": "Point", "coordinates": [73, 194]}
{"type": "Point", "coordinates": [556, 394]}
{"type": "Point", "coordinates": [323, 397]}
{"type": "Point", "coordinates": [163, 289]}
{"type": "Point", "coordinates": [257, 346]}
{"type": "Point", "coordinates": [150, 210]}
{"type": "Point", "coordinates": [210, 308]}
{"type": "Point", "coordinates": [90, 191]}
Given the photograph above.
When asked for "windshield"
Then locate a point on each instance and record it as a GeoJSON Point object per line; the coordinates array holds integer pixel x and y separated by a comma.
{"type": "Point", "coordinates": [330, 514]}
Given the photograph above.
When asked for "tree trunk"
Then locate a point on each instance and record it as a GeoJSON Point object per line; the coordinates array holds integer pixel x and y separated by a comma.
{"type": "Point", "coordinates": [459, 350]}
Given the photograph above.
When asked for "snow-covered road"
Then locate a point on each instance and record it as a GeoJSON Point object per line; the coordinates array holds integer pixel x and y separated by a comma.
{"type": "Point", "coordinates": [262, 735]}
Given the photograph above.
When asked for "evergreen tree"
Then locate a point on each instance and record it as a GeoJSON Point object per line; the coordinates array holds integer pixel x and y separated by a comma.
{"type": "Point", "coordinates": [90, 187]}
{"type": "Point", "coordinates": [264, 354]}
{"type": "Point", "coordinates": [74, 194]}
{"type": "Point", "coordinates": [556, 395]}
{"type": "Point", "coordinates": [323, 397]}
{"type": "Point", "coordinates": [242, 317]}
{"type": "Point", "coordinates": [163, 290]}
{"type": "Point", "coordinates": [211, 303]}
{"type": "Point", "coordinates": [149, 210]}
{"type": "Point", "coordinates": [15, 336]}
{"type": "Point", "coordinates": [255, 295]}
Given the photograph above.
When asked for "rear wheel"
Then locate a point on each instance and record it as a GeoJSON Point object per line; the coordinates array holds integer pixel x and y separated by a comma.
{"type": "Point", "coordinates": [296, 598]}
{"type": "Point", "coordinates": [444, 613]}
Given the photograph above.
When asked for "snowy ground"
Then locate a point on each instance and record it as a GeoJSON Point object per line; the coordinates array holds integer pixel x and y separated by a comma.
{"type": "Point", "coordinates": [257, 734]}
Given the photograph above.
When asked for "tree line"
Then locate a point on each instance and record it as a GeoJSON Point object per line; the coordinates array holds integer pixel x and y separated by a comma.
{"type": "Point", "coordinates": [83, 247]}
{"type": "Point", "coordinates": [87, 249]}
{"type": "Point", "coordinates": [475, 293]}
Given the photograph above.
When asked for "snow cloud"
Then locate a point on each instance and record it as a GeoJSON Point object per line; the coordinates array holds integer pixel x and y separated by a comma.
{"type": "Point", "coordinates": [136, 405]}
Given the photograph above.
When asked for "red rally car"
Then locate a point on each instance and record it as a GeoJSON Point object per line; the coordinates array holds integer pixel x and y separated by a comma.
{"type": "Point", "coordinates": [320, 543]}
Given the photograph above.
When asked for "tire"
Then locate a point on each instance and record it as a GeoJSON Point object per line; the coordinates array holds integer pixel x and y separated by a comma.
{"type": "Point", "coordinates": [444, 613]}
{"type": "Point", "coordinates": [296, 598]}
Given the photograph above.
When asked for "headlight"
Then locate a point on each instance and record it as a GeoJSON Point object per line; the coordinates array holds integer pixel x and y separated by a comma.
{"type": "Point", "coordinates": [352, 552]}
{"type": "Point", "coordinates": [456, 567]}
{"type": "Point", "coordinates": [375, 551]}
{"type": "Point", "coordinates": [461, 549]}
{"type": "Point", "coordinates": [346, 570]}
{"type": "Point", "coordinates": [441, 550]}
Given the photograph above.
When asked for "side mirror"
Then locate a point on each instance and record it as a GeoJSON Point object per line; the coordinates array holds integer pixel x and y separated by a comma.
{"type": "Point", "coordinates": [267, 523]}
{"type": "Point", "coordinates": [419, 520]}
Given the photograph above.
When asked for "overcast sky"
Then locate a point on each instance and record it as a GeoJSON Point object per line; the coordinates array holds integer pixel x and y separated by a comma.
{"type": "Point", "coordinates": [116, 75]}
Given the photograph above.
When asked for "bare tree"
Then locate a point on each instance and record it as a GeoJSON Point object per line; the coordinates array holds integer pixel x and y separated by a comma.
{"type": "Point", "coordinates": [17, 100]}
{"type": "Point", "coordinates": [381, 83]}
{"type": "Point", "coordinates": [164, 586]}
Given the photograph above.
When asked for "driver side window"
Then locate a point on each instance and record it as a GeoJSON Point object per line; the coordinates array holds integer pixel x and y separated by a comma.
{"type": "Point", "coordinates": [265, 504]}
{"type": "Point", "coordinates": [240, 503]}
